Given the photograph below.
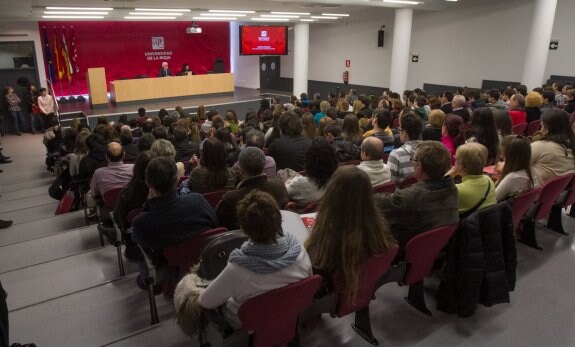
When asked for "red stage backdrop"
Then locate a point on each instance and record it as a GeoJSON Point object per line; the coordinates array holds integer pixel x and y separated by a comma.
{"type": "Point", "coordinates": [130, 49]}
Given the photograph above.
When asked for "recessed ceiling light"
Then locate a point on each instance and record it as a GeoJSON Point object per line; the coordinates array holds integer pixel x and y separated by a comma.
{"type": "Point", "coordinates": [73, 17]}
{"type": "Point", "coordinates": [230, 11]}
{"type": "Point", "coordinates": [307, 20]}
{"type": "Point", "coordinates": [81, 8]}
{"type": "Point", "coordinates": [403, 2]}
{"type": "Point", "coordinates": [155, 14]}
{"type": "Point", "coordinates": [278, 16]}
{"type": "Point", "coordinates": [149, 17]}
{"type": "Point", "coordinates": [222, 14]}
{"type": "Point", "coordinates": [335, 14]}
{"type": "Point", "coordinates": [270, 19]}
{"type": "Point", "coordinates": [215, 18]}
{"type": "Point", "coordinates": [163, 9]}
{"type": "Point", "coordinates": [294, 13]}
{"type": "Point", "coordinates": [324, 17]}
{"type": "Point", "coordinates": [76, 12]}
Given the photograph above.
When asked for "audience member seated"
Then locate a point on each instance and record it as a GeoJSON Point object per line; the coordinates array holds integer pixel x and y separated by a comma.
{"type": "Point", "coordinates": [548, 100]}
{"type": "Point", "coordinates": [269, 260]}
{"type": "Point", "coordinates": [552, 155]}
{"type": "Point", "coordinates": [344, 150]}
{"type": "Point", "coordinates": [145, 142]}
{"type": "Point", "coordinates": [185, 149]}
{"type": "Point", "coordinates": [164, 148]}
{"type": "Point", "coordinates": [569, 100]}
{"type": "Point", "coordinates": [132, 197]}
{"type": "Point", "coordinates": [459, 107]}
{"type": "Point", "coordinates": [372, 163]}
{"type": "Point", "coordinates": [251, 162]}
{"type": "Point", "coordinates": [95, 159]}
{"type": "Point", "coordinates": [255, 138]}
{"type": "Point", "coordinates": [430, 203]}
{"type": "Point", "coordinates": [432, 130]}
{"type": "Point", "coordinates": [471, 158]}
{"type": "Point", "coordinates": [212, 173]}
{"type": "Point", "coordinates": [322, 124]}
{"type": "Point", "coordinates": [205, 129]}
{"type": "Point", "coordinates": [80, 151]}
{"type": "Point", "coordinates": [309, 129]}
{"type": "Point", "coordinates": [516, 176]}
{"type": "Point", "coordinates": [141, 116]}
{"type": "Point", "coordinates": [323, 106]}
{"type": "Point", "coordinates": [350, 130]}
{"type": "Point", "coordinates": [446, 98]}
{"type": "Point", "coordinates": [320, 164]}
{"type": "Point", "coordinates": [381, 122]}
{"type": "Point", "coordinates": [517, 109]}
{"type": "Point", "coordinates": [289, 150]}
{"type": "Point", "coordinates": [502, 123]}
{"type": "Point", "coordinates": [131, 150]}
{"type": "Point", "coordinates": [483, 131]}
{"type": "Point", "coordinates": [400, 160]}
{"type": "Point", "coordinates": [168, 218]}
{"type": "Point", "coordinates": [341, 241]}
{"type": "Point", "coordinates": [494, 99]}
{"type": "Point", "coordinates": [533, 103]}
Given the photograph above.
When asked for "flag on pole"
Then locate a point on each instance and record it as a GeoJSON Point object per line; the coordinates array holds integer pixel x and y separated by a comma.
{"type": "Point", "coordinates": [67, 65]}
{"type": "Point", "coordinates": [75, 52]}
{"type": "Point", "coordinates": [48, 57]}
{"type": "Point", "coordinates": [59, 67]}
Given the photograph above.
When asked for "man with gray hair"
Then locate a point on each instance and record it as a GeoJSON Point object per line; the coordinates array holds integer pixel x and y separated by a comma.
{"type": "Point", "coordinates": [251, 162]}
{"type": "Point", "coordinates": [255, 138]}
{"type": "Point", "coordinates": [517, 109]}
{"type": "Point", "coordinates": [372, 163]}
{"type": "Point", "coordinates": [164, 70]}
{"type": "Point", "coordinates": [460, 108]}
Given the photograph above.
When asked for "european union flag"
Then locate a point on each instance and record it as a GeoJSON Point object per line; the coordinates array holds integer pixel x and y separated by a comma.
{"type": "Point", "coordinates": [48, 57]}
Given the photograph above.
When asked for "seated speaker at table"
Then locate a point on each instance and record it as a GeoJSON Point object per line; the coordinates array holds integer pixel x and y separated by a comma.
{"type": "Point", "coordinates": [185, 70]}
{"type": "Point", "coordinates": [164, 70]}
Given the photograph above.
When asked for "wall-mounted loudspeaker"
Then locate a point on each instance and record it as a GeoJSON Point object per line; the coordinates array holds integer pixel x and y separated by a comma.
{"type": "Point", "coordinates": [380, 36]}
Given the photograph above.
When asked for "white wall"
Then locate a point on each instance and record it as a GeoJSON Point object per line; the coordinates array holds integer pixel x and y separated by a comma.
{"type": "Point", "coordinates": [31, 33]}
{"type": "Point", "coordinates": [245, 68]}
{"type": "Point", "coordinates": [561, 61]}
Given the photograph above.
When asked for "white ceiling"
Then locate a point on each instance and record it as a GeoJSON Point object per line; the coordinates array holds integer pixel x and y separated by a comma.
{"type": "Point", "coordinates": [33, 9]}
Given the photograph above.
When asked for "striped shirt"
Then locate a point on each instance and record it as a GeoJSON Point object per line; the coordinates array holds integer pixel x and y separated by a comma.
{"type": "Point", "coordinates": [13, 102]}
{"type": "Point", "coordinates": [400, 163]}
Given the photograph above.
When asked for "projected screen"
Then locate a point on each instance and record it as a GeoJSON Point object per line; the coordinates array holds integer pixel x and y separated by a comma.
{"type": "Point", "coordinates": [263, 40]}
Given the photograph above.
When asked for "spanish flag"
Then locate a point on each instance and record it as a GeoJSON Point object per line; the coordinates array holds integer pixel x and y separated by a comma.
{"type": "Point", "coordinates": [59, 68]}
{"type": "Point", "coordinates": [67, 66]}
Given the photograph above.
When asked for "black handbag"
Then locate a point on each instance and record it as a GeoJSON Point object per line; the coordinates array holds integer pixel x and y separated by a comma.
{"type": "Point", "coordinates": [216, 250]}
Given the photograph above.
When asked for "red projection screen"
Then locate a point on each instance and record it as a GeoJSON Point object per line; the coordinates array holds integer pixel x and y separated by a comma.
{"type": "Point", "coordinates": [263, 40]}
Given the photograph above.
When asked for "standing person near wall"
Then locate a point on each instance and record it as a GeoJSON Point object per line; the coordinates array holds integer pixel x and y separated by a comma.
{"type": "Point", "coordinates": [14, 108]}
{"type": "Point", "coordinates": [46, 104]}
{"type": "Point", "coordinates": [32, 107]}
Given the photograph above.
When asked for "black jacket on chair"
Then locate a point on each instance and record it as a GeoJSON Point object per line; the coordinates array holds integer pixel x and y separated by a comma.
{"type": "Point", "coordinates": [480, 263]}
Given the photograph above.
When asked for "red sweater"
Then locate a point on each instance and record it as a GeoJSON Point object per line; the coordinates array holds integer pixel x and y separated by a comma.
{"type": "Point", "coordinates": [518, 117]}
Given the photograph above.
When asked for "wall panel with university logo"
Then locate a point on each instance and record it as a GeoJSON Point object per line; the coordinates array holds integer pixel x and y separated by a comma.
{"type": "Point", "coordinates": [129, 50]}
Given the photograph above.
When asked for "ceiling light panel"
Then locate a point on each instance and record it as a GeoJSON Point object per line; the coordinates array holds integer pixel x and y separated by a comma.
{"type": "Point", "coordinates": [230, 11]}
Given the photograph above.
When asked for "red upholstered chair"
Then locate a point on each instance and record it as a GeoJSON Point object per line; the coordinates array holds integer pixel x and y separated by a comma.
{"type": "Point", "coordinates": [522, 203]}
{"type": "Point", "coordinates": [385, 157]}
{"type": "Point", "coordinates": [549, 193]}
{"type": "Point", "coordinates": [570, 198]}
{"type": "Point", "coordinates": [395, 123]}
{"type": "Point", "coordinates": [407, 182]}
{"type": "Point", "coordinates": [519, 129]}
{"type": "Point", "coordinates": [351, 162]}
{"type": "Point", "coordinates": [312, 207]}
{"type": "Point", "coordinates": [532, 127]}
{"type": "Point", "coordinates": [214, 198]}
{"type": "Point", "coordinates": [277, 326]}
{"type": "Point", "coordinates": [185, 254]}
{"type": "Point", "coordinates": [388, 187]}
{"type": "Point", "coordinates": [420, 254]}
{"type": "Point", "coordinates": [110, 200]}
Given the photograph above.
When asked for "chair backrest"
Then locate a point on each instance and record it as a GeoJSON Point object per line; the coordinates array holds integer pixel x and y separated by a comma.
{"type": "Point", "coordinates": [388, 187]}
{"type": "Point", "coordinates": [132, 215]}
{"type": "Point", "coordinates": [407, 182]}
{"type": "Point", "coordinates": [214, 198]}
{"type": "Point", "coordinates": [183, 255]}
{"type": "Point", "coordinates": [522, 203]}
{"type": "Point", "coordinates": [550, 193]}
{"type": "Point", "coordinates": [421, 251]}
{"type": "Point", "coordinates": [111, 197]}
{"type": "Point", "coordinates": [532, 127]}
{"type": "Point", "coordinates": [312, 207]}
{"type": "Point", "coordinates": [373, 269]}
{"type": "Point", "coordinates": [570, 198]}
{"type": "Point", "coordinates": [351, 162]}
{"type": "Point", "coordinates": [519, 129]}
{"type": "Point", "coordinates": [277, 326]}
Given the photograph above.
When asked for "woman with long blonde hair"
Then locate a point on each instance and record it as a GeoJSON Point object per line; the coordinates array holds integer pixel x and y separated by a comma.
{"type": "Point", "coordinates": [308, 126]}
{"type": "Point", "coordinates": [342, 241]}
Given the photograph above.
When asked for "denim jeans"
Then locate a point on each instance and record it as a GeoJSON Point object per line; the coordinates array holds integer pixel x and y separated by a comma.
{"type": "Point", "coordinates": [17, 119]}
{"type": "Point", "coordinates": [33, 119]}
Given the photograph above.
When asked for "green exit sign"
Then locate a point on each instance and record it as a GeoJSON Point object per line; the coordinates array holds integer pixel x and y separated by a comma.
{"type": "Point", "coordinates": [554, 45]}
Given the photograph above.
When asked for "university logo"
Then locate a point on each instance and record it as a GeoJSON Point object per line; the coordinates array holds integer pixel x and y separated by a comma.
{"type": "Point", "coordinates": [264, 33]}
{"type": "Point", "coordinates": [158, 42]}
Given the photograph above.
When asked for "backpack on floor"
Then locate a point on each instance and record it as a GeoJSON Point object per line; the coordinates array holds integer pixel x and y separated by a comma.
{"type": "Point", "coordinates": [66, 203]}
{"type": "Point", "coordinates": [216, 250]}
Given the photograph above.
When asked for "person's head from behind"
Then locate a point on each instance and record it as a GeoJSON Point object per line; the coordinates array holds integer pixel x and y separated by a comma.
{"type": "Point", "coordinates": [436, 118]}
{"type": "Point", "coordinates": [260, 218]}
{"type": "Point", "coordinates": [371, 149]}
{"type": "Point", "coordinates": [255, 138]}
{"type": "Point", "coordinates": [350, 129]}
{"type": "Point", "coordinates": [410, 128]}
{"type": "Point", "coordinates": [252, 161]}
{"type": "Point", "coordinates": [322, 124]}
{"type": "Point", "coordinates": [533, 100]}
{"type": "Point", "coordinates": [548, 97]}
{"type": "Point", "coordinates": [569, 95]}
{"type": "Point", "coordinates": [180, 134]}
{"type": "Point", "coordinates": [141, 112]}
{"type": "Point", "coordinates": [431, 161]}
{"type": "Point", "coordinates": [308, 125]}
{"type": "Point", "coordinates": [324, 106]}
{"type": "Point", "coordinates": [381, 119]}
{"type": "Point", "coordinates": [521, 89]}
{"type": "Point", "coordinates": [471, 158]}
{"type": "Point", "coordinates": [159, 133]}
{"type": "Point", "coordinates": [163, 148]}
{"type": "Point", "coordinates": [211, 114]}
{"type": "Point", "coordinates": [516, 152]}
{"type": "Point", "coordinates": [162, 175]}
{"type": "Point", "coordinates": [332, 131]}
{"type": "Point", "coordinates": [290, 124]}
{"type": "Point", "coordinates": [95, 142]}
{"type": "Point", "coordinates": [358, 235]}
{"type": "Point", "coordinates": [114, 153]}
{"type": "Point", "coordinates": [140, 166]}
{"type": "Point", "coordinates": [81, 147]}
{"type": "Point", "coordinates": [320, 161]}
{"type": "Point", "coordinates": [125, 136]}
{"type": "Point", "coordinates": [555, 126]}
{"type": "Point", "coordinates": [493, 96]}
{"type": "Point", "coordinates": [458, 101]}
{"type": "Point", "coordinates": [213, 155]}
{"type": "Point", "coordinates": [503, 122]}
{"type": "Point", "coordinates": [145, 142]}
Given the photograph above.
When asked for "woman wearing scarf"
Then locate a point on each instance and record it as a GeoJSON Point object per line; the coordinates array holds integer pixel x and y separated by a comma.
{"type": "Point", "coordinates": [269, 260]}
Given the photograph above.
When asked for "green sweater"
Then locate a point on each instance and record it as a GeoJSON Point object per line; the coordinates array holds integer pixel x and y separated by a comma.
{"type": "Point", "coordinates": [471, 191]}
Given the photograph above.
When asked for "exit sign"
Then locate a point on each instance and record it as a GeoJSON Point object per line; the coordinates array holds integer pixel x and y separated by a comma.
{"type": "Point", "coordinates": [554, 45]}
